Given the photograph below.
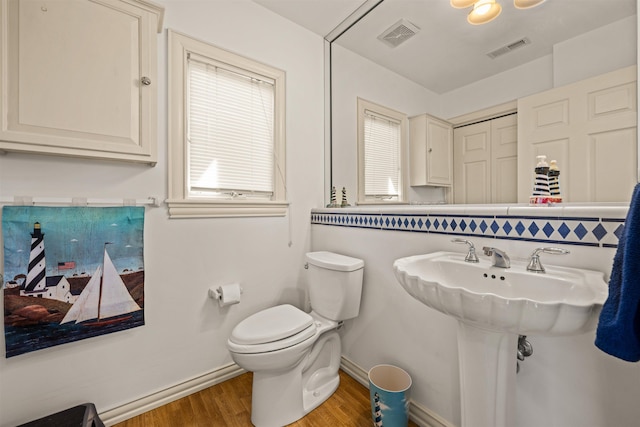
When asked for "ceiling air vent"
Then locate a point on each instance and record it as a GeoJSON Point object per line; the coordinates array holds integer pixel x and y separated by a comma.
{"type": "Point", "coordinates": [398, 33]}
{"type": "Point", "coordinates": [509, 48]}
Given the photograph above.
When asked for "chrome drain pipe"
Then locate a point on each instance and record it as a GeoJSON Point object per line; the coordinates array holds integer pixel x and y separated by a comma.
{"type": "Point", "coordinates": [525, 349]}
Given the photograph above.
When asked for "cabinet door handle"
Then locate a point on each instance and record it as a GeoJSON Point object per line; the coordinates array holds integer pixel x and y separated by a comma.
{"type": "Point", "coordinates": [429, 150]}
{"type": "Point", "coordinates": [145, 81]}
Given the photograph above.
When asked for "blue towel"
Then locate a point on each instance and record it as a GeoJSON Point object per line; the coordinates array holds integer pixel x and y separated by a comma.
{"type": "Point", "coordinates": [618, 331]}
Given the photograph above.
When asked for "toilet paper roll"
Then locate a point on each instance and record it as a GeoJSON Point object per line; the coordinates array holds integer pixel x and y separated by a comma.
{"type": "Point", "coordinates": [229, 294]}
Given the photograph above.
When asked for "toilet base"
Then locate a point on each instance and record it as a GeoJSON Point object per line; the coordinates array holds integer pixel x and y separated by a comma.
{"type": "Point", "coordinates": [282, 397]}
{"type": "Point", "coordinates": [312, 397]}
{"type": "Point", "coordinates": [276, 399]}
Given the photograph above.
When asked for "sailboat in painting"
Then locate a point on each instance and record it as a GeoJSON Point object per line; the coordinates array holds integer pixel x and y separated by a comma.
{"type": "Point", "coordinates": [104, 300]}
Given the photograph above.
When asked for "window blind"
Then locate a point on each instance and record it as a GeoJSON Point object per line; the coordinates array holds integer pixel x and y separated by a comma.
{"type": "Point", "coordinates": [230, 130]}
{"type": "Point", "coordinates": [382, 138]}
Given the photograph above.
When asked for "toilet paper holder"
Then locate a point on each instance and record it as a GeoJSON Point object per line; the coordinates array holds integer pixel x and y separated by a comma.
{"type": "Point", "coordinates": [218, 294]}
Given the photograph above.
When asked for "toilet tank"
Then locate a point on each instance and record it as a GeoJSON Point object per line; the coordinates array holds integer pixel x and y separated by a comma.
{"type": "Point", "coordinates": [335, 284]}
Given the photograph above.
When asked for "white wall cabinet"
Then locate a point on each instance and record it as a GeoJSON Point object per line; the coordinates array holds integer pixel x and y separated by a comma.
{"type": "Point", "coordinates": [485, 161]}
{"type": "Point", "coordinates": [431, 151]}
{"type": "Point", "coordinates": [590, 128]}
{"type": "Point", "coordinates": [79, 78]}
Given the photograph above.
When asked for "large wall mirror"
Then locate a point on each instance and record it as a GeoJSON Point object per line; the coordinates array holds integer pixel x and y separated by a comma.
{"type": "Point", "coordinates": [433, 61]}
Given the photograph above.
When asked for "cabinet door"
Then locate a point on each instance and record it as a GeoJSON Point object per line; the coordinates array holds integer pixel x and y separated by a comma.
{"type": "Point", "coordinates": [431, 151]}
{"type": "Point", "coordinates": [79, 78]}
{"type": "Point", "coordinates": [472, 164]}
{"type": "Point", "coordinates": [439, 152]}
{"type": "Point", "coordinates": [589, 127]}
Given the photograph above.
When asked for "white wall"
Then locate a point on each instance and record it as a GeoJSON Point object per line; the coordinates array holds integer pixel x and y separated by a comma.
{"type": "Point", "coordinates": [185, 332]}
{"type": "Point", "coordinates": [567, 381]}
{"type": "Point", "coordinates": [597, 52]}
{"type": "Point", "coordinates": [532, 77]}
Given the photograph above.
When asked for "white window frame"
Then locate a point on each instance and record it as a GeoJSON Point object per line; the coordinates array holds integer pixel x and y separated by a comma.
{"type": "Point", "coordinates": [181, 203]}
{"type": "Point", "coordinates": [364, 106]}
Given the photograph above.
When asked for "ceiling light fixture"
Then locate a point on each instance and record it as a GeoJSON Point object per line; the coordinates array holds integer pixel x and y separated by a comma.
{"type": "Point", "coordinates": [487, 10]}
{"type": "Point", "coordinates": [526, 4]}
{"type": "Point", "coordinates": [484, 11]}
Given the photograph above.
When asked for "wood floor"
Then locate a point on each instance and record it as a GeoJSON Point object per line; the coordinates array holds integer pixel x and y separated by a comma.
{"type": "Point", "coordinates": [228, 404]}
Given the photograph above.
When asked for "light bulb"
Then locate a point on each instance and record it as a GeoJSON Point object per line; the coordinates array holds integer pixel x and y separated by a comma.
{"type": "Point", "coordinates": [484, 11]}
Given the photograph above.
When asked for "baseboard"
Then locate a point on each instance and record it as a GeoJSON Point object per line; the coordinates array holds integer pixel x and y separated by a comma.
{"type": "Point", "coordinates": [418, 414]}
{"type": "Point", "coordinates": [168, 395]}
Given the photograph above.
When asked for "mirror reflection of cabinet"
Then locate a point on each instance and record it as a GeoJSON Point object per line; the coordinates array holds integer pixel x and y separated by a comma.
{"type": "Point", "coordinates": [590, 128]}
{"type": "Point", "coordinates": [485, 161]}
{"type": "Point", "coordinates": [431, 151]}
{"type": "Point", "coordinates": [79, 78]}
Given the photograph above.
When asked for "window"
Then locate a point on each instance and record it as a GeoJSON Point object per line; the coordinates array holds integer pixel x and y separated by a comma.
{"type": "Point", "coordinates": [226, 133]}
{"type": "Point", "coordinates": [381, 154]}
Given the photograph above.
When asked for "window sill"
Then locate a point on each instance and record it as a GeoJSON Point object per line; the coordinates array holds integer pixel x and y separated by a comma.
{"type": "Point", "coordinates": [225, 209]}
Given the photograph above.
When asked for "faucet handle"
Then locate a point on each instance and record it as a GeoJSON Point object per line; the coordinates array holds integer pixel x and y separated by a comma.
{"type": "Point", "coordinates": [535, 264]}
{"type": "Point", "coordinates": [471, 255]}
{"type": "Point", "coordinates": [554, 251]}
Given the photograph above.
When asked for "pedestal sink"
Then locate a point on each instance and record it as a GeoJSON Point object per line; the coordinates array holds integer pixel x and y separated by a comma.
{"type": "Point", "coordinates": [493, 306]}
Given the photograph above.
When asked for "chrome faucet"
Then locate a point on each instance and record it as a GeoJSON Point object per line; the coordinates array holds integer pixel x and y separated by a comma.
{"type": "Point", "coordinates": [471, 255]}
{"type": "Point", "coordinates": [534, 263]}
{"type": "Point", "coordinates": [498, 258]}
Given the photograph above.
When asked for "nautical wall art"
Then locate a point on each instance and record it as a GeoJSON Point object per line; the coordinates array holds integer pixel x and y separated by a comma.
{"type": "Point", "coordinates": [70, 273]}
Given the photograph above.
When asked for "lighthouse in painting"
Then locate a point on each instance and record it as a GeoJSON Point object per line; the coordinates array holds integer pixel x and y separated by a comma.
{"type": "Point", "coordinates": [36, 274]}
{"type": "Point", "coordinates": [37, 283]}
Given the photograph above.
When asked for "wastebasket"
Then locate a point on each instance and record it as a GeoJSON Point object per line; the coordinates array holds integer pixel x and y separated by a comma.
{"type": "Point", "coordinates": [388, 390]}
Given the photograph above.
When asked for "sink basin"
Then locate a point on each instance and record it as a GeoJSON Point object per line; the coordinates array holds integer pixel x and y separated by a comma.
{"type": "Point", "coordinates": [562, 301]}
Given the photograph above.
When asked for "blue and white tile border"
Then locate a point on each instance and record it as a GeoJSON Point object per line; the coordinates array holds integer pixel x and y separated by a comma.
{"type": "Point", "coordinates": [596, 226]}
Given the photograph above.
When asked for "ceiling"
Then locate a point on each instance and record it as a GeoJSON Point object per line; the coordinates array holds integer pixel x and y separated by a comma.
{"type": "Point", "coordinates": [319, 16]}
{"type": "Point", "coordinates": [447, 52]}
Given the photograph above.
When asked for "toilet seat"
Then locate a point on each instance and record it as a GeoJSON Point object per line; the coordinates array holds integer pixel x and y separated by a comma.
{"type": "Point", "coordinates": [272, 329]}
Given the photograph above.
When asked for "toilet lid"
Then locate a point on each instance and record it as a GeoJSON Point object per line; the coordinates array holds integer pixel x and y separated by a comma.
{"type": "Point", "coordinates": [272, 324]}
{"type": "Point", "coordinates": [333, 261]}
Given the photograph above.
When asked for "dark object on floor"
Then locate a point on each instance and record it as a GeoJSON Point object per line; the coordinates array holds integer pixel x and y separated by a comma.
{"type": "Point", "coordinates": [79, 416]}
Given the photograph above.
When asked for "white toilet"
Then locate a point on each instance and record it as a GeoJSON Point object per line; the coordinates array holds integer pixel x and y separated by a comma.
{"type": "Point", "coordinates": [295, 356]}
